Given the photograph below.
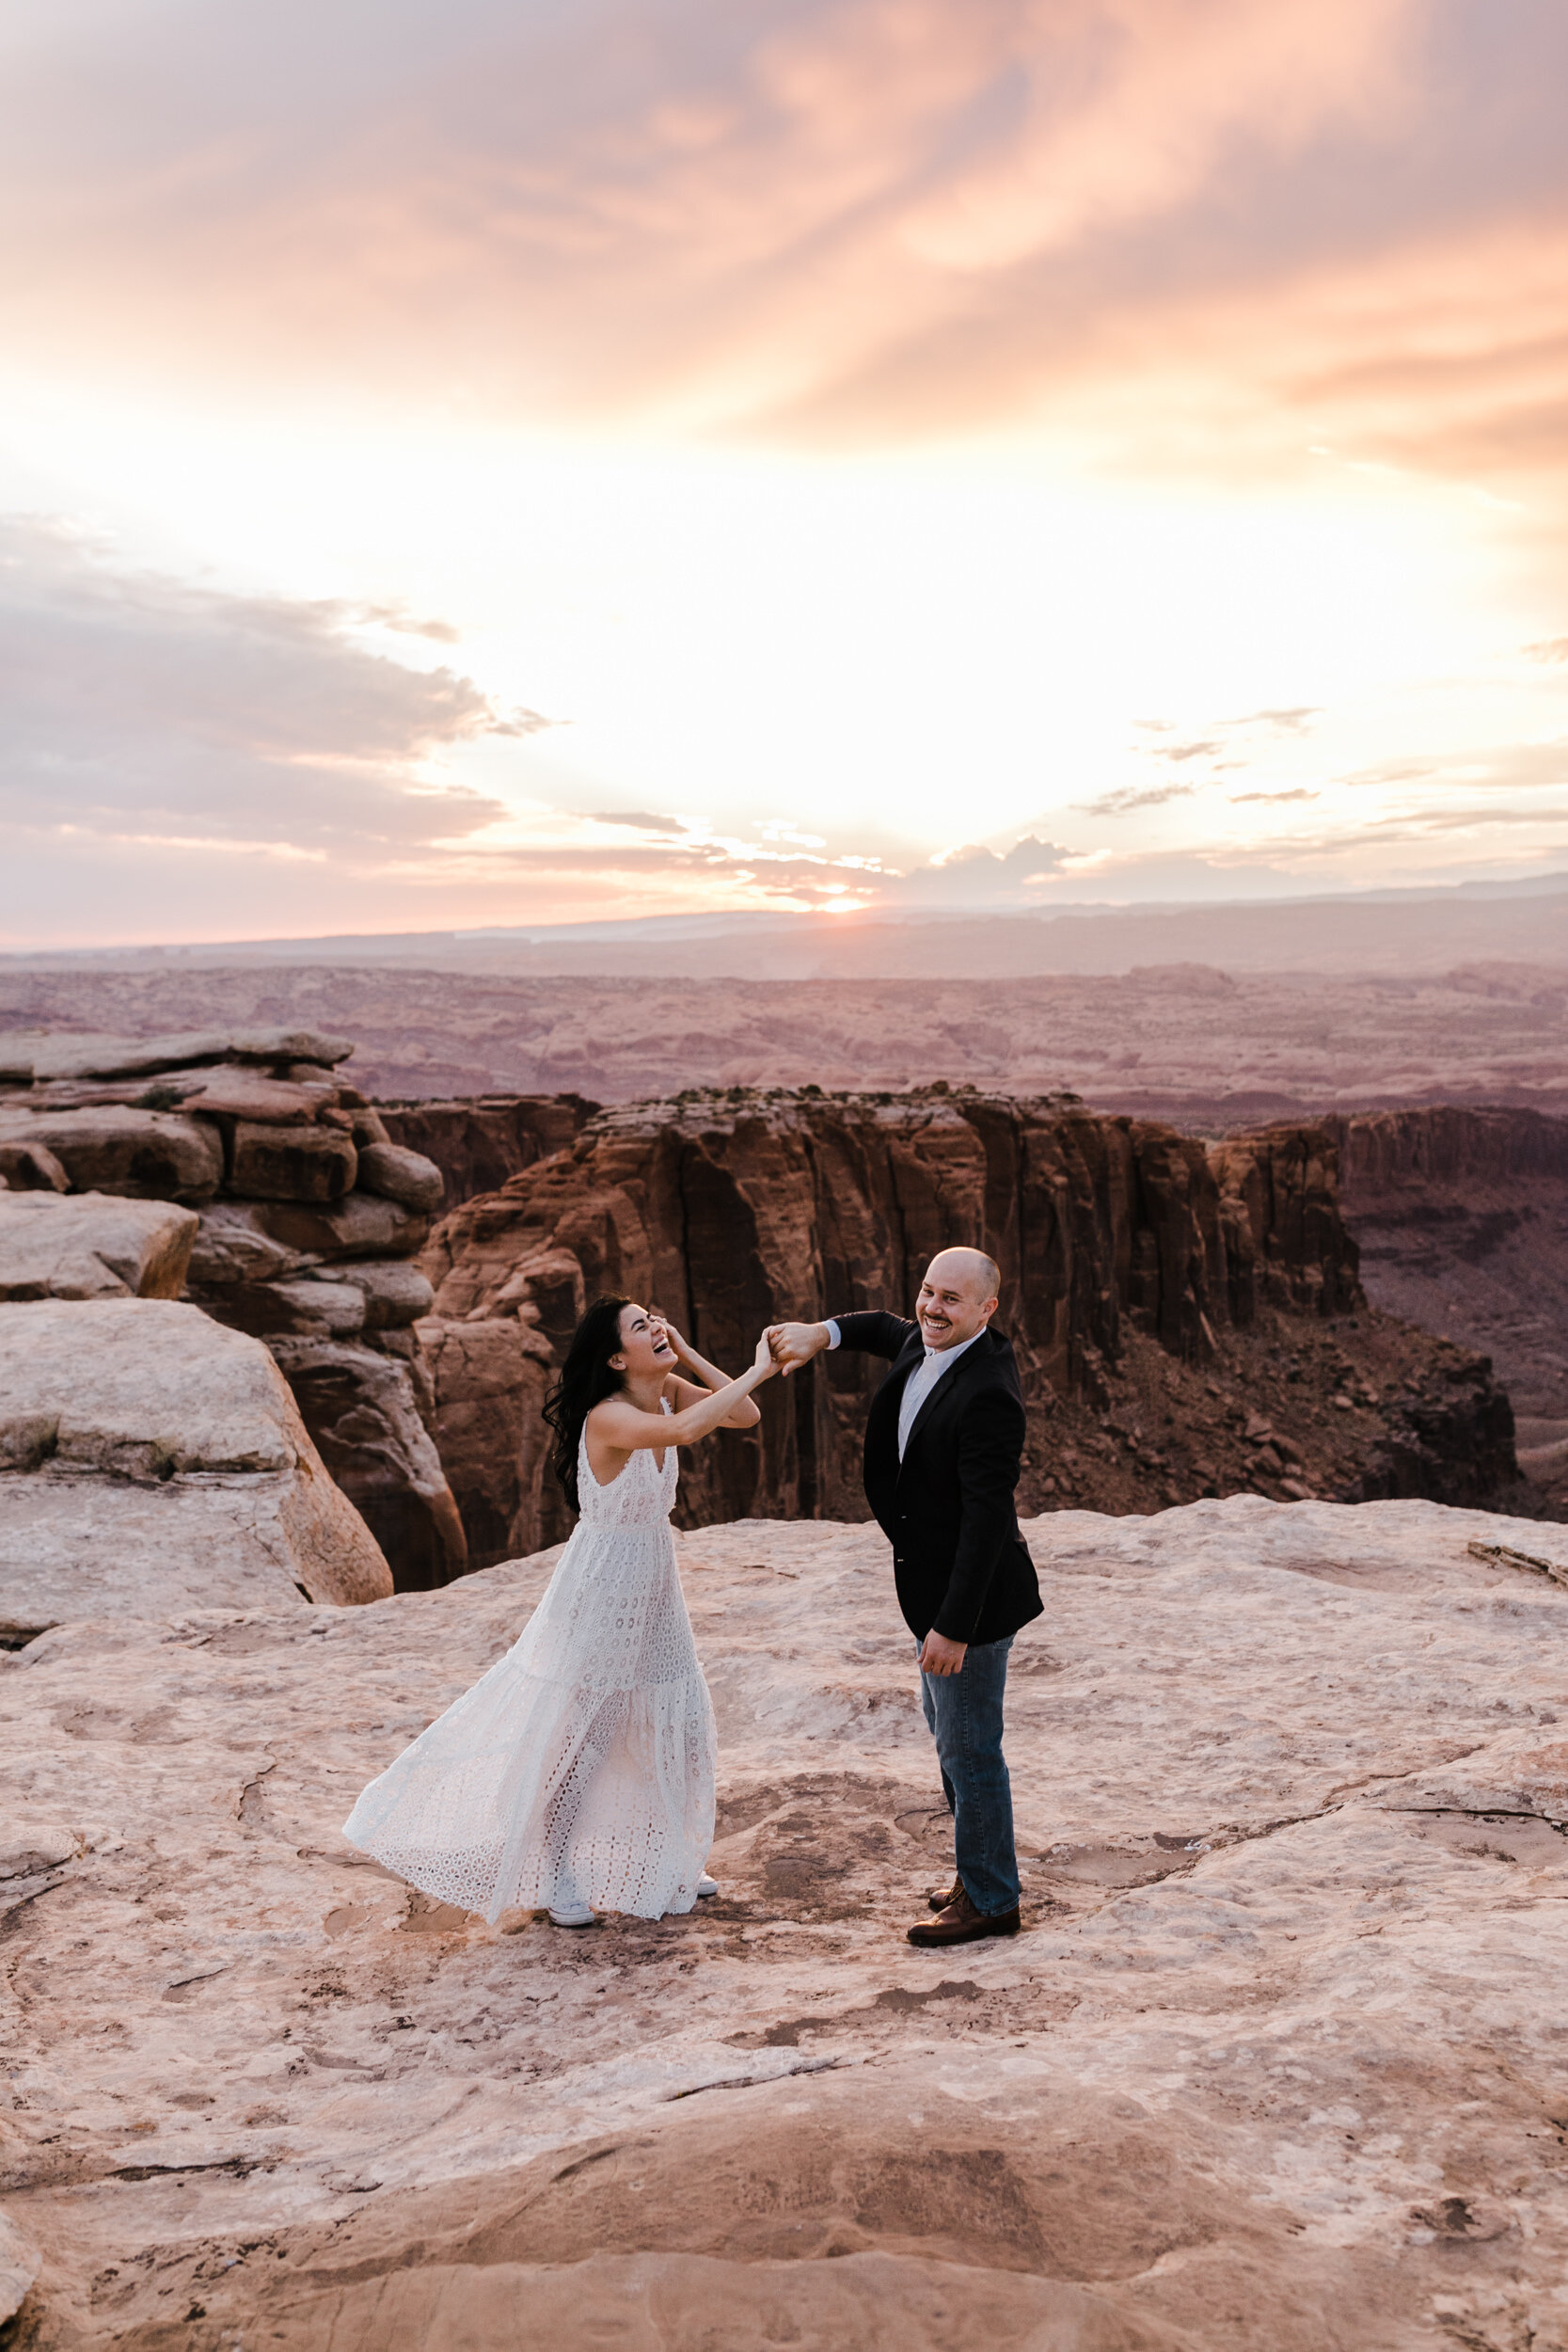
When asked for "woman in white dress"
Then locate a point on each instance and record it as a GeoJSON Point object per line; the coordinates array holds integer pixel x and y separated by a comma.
{"type": "Point", "coordinates": [578, 1774]}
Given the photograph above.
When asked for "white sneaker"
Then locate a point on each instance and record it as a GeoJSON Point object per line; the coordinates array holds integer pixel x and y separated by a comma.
{"type": "Point", "coordinates": [706, 1885]}
{"type": "Point", "coordinates": [572, 1916]}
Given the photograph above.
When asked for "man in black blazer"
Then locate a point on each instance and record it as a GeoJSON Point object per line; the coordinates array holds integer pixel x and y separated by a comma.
{"type": "Point", "coordinates": [943, 1443]}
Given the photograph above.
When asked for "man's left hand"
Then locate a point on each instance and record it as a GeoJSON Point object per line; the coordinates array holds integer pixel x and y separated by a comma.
{"type": "Point", "coordinates": [939, 1656]}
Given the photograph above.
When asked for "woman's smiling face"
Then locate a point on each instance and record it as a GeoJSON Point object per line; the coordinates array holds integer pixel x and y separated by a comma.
{"type": "Point", "coordinates": [644, 1352]}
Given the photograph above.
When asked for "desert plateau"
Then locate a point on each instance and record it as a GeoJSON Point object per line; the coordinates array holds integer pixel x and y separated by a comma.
{"type": "Point", "coordinates": [1188, 1039]}
{"type": "Point", "coordinates": [1275, 2063]}
{"type": "Point", "coordinates": [1270, 2063]}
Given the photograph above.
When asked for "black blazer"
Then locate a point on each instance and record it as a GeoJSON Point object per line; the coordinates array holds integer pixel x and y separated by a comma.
{"type": "Point", "coordinates": [947, 1508]}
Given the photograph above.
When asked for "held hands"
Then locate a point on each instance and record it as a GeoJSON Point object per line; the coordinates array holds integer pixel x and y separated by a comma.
{"type": "Point", "coordinates": [795, 1343]}
{"type": "Point", "coordinates": [765, 1364]}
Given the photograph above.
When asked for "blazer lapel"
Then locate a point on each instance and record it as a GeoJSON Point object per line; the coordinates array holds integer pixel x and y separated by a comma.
{"type": "Point", "coordinates": [945, 1385]}
{"type": "Point", "coordinates": [889, 1398]}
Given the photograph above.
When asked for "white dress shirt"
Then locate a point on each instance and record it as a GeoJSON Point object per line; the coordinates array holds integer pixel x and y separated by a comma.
{"type": "Point", "coordinates": [922, 1380]}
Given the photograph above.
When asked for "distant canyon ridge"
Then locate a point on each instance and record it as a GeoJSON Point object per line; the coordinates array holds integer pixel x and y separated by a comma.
{"type": "Point", "coordinates": [1189, 1043]}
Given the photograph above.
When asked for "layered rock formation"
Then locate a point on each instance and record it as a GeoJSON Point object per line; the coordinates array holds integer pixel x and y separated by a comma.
{"type": "Point", "coordinates": [1164, 1299]}
{"type": "Point", "coordinates": [310, 1215]}
{"type": "Point", "coordinates": [1276, 2062]}
{"type": "Point", "coordinates": [477, 1142]}
{"type": "Point", "coordinates": [152, 1462]}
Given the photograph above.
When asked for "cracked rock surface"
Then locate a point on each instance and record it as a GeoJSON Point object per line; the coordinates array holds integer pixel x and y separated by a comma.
{"type": "Point", "coordinates": [1278, 2061]}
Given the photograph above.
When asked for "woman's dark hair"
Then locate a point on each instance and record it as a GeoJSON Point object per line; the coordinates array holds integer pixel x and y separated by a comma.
{"type": "Point", "coordinates": [586, 1379]}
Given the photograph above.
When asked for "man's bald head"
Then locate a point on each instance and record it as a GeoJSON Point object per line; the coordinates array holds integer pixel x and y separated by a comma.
{"type": "Point", "coordinates": [958, 1297]}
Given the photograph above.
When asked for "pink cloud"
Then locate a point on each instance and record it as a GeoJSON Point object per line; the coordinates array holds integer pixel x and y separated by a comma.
{"type": "Point", "coordinates": [812, 217]}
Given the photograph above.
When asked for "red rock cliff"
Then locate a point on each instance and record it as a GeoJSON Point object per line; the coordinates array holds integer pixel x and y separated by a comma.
{"type": "Point", "coordinates": [732, 1210]}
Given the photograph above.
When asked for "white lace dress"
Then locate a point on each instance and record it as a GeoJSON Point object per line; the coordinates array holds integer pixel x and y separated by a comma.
{"type": "Point", "coordinates": [580, 1770]}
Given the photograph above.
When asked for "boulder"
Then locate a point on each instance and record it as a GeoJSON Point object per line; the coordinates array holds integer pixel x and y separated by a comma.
{"type": "Point", "coordinates": [31, 1168]}
{"type": "Point", "coordinates": [369, 1127]}
{"type": "Point", "coordinates": [312, 1164]}
{"type": "Point", "coordinates": [359, 1226]}
{"type": "Point", "coordinates": [156, 1462]}
{"type": "Point", "coordinates": [145, 1155]}
{"type": "Point", "coordinates": [396, 1294]}
{"type": "Point", "coordinates": [398, 1174]}
{"type": "Point", "coordinates": [363, 1410]}
{"type": "Point", "coordinates": [90, 1244]}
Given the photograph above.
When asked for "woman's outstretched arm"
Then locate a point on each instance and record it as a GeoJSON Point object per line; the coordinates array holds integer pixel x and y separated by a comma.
{"type": "Point", "coordinates": [619, 1425]}
{"type": "Point", "coordinates": [707, 1375]}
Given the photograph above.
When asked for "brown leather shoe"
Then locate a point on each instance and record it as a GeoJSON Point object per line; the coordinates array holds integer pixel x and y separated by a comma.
{"type": "Point", "coordinates": [960, 1923]}
{"type": "Point", "coordinates": [940, 1903]}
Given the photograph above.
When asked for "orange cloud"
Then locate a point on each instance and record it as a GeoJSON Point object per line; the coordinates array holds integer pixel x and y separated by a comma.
{"type": "Point", "coordinates": [835, 214]}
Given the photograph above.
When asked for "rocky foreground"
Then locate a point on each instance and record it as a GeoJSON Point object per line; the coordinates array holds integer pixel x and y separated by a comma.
{"type": "Point", "coordinates": [1278, 2062]}
{"type": "Point", "coordinates": [287, 1213]}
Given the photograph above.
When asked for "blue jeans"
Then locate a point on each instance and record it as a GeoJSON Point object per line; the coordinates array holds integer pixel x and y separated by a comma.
{"type": "Point", "coordinates": [963, 1714]}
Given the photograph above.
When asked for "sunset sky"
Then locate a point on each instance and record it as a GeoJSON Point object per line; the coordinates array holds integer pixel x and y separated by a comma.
{"type": "Point", "coordinates": [508, 462]}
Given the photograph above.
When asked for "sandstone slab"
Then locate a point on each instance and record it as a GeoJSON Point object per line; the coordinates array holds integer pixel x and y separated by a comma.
{"type": "Point", "coordinates": [246, 1094]}
{"type": "Point", "coordinates": [153, 1461]}
{"type": "Point", "coordinates": [93, 1246]}
{"type": "Point", "coordinates": [1276, 2063]}
{"type": "Point", "coordinates": [359, 1226]}
{"type": "Point", "coordinates": [396, 1294]}
{"type": "Point", "coordinates": [282, 1163]}
{"type": "Point", "coordinates": [88, 1054]}
{"type": "Point", "coordinates": [319, 1308]}
{"type": "Point", "coordinates": [51, 1053]}
{"type": "Point", "coordinates": [148, 1155]}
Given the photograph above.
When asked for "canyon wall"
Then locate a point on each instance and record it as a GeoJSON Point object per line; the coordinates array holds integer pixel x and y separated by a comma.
{"type": "Point", "coordinates": [479, 1141]}
{"type": "Point", "coordinates": [1447, 1147]}
{"type": "Point", "coordinates": [732, 1210]}
{"type": "Point", "coordinates": [1462, 1220]}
